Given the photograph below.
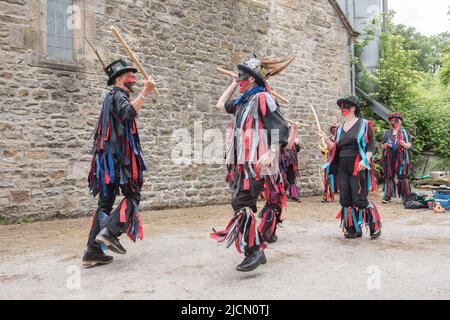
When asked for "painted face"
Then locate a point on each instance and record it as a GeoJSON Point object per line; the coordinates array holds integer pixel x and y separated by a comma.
{"type": "Point", "coordinates": [244, 82]}
{"type": "Point", "coordinates": [395, 122]}
{"type": "Point", "coordinates": [243, 85]}
{"type": "Point", "coordinates": [129, 81]}
{"type": "Point", "coordinates": [345, 109]}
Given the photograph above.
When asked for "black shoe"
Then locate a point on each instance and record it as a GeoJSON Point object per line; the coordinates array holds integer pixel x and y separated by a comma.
{"type": "Point", "coordinates": [273, 238]}
{"type": "Point", "coordinates": [255, 259]}
{"type": "Point", "coordinates": [386, 200]}
{"type": "Point", "coordinates": [92, 258]}
{"type": "Point", "coordinates": [247, 257]}
{"type": "Point", "coordinates": [111, 242]}
{"type": "Point", "coordinates": [375, 234]}
{"type": "Point", "coordinates": [352, 234]}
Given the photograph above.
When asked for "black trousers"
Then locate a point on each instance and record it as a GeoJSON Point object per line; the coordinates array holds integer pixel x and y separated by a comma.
{"type": "Point", "coordinates": [352, 189]}
{"type": "Point", "coordinates": [247, 198]}
{"type": "Point", "coordinates": [290, 174]}
{"type": "Point", "coordinates": [403, 187]}
{"type": "Point", "coordinates": [103, 217]}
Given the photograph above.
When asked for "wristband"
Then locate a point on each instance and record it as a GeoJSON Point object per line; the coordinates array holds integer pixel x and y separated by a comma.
{"type": "Point", "coordinates": [141, 96]}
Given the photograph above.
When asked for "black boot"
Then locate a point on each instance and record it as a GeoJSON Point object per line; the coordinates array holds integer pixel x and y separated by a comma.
{"type": "Point", "coordinates": [94, 257]}
{"type": "Point", "coordinates": [256, 258]}
{"type": "Point", "coordinates": [111, 242]}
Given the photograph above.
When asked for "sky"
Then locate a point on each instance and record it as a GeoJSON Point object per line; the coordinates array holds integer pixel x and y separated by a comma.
{"type": "Point", "coordinates": [429, 17]}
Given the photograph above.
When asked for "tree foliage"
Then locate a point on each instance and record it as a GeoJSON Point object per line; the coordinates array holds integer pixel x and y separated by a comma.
{"type": "Point", "coordinates": [412, 77]}
{"type": "Point", "coordinates": [444, 73]}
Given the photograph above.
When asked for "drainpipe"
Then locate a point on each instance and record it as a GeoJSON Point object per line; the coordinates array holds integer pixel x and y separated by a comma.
{"type": "Point", "coordinates": [352, 45]}
{"type": "Point", "coordinates": [352, 42]}
{"type": "Point", "coordinates": [385, 11]}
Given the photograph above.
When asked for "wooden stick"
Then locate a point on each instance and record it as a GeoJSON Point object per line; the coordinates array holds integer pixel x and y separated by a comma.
{"type": "Point", "coordinates": [131, 55]}
{"type": "Point", "coordinates": [293, 122]}
{"type": "Point", "coordinates": [96, 53]}
{"type": "Point", "coordinates": [231, 74]}
{"type": "Point", "coordinates": [318, 125]}
{"type": "Point", "coordinates": [321, 178]}
{"type": "Point", "coordinates": [234, 75]}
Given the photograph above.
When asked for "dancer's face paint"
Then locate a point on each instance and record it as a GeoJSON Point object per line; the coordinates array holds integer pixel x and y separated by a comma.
{"type": "Point", "coordinates": [345, 111]}
{"type": "Point", "coordinates": [129, 81]}
{"type": "Point", "coordinates": [395, 123]}
{"type": "Point", "coordinates": [243, 85]}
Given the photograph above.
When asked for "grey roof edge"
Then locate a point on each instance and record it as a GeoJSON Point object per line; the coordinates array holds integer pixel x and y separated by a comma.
{"type": "Point", "coordinates": [344, 19]}
{"type": "Point", "coordinates": [377, 107]}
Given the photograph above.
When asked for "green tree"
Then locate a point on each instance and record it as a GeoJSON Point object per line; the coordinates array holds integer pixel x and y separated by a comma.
{"type": "Point", "coordinates": [406, 81]}
{"type": "Point", "coordinates": [444, 73]}
{"type": "Point", "coordinates": [429, 49]}
{"type": "Point", "coordinates": [396, 74]}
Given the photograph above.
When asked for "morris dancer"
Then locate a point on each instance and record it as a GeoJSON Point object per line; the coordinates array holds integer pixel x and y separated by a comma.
{"type": "Point", "coordinates": [396, 159]}
{"type": "Point", "coordinates": [117, 165]}
{"type": "Point", "coordinates": [289, 164]}
{"type": "Point", "coordinates": [351, 156]}
{"type": "Point", "coordinates": [330, 180]}
{"type": "Point", "coordinates": [259, 131]}
{"type": "Point", "coordinates": [274, 200]}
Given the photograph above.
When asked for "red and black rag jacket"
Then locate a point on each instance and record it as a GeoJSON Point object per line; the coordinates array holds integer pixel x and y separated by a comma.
{"type": "Point", "coordinates": [117, 155]}
{"type": "Point", "coordinates": [258, 124]}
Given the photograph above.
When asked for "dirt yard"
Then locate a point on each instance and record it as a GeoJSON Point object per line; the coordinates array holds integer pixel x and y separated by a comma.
{"type": "Point", "coordinates": [178, 260]}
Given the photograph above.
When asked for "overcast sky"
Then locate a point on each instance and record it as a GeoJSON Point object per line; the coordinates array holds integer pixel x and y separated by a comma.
{"type": "Point", "coordinates": [429, 17]}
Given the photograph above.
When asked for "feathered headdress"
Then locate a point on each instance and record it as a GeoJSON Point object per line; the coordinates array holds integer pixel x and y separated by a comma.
{"type": "Point", "coordinates": [261, 70]}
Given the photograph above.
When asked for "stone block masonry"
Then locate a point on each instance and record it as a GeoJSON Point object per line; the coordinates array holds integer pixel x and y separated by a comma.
{"type": "Point", "coordinates": [49, 107]}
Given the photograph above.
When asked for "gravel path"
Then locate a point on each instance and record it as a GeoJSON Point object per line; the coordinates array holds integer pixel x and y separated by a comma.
{"type": "Point", "coordinates": [178, 260]}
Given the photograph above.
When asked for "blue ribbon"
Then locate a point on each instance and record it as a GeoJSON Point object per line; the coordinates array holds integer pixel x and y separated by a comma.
{"type": "Point", "coordinates": [250, 93]}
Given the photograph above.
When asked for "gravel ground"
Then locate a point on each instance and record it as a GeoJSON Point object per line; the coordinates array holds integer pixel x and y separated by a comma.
{"type": "Point", "coordinates": [178, 260]}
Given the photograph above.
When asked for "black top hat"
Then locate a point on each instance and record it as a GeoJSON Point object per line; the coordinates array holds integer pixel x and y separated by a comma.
{"type": "Point", "coordinates": [349, 100]}
{"type": "Point", "coordinates": [252, 67]}
{"type": "Point", "coordinates": [117, 68]}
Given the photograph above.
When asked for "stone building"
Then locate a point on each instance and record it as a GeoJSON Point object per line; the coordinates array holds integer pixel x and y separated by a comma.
{"type": "Point", "coordinates": [52, 84]}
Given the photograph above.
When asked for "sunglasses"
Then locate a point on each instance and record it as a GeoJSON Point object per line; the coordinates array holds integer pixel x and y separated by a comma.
{"type": "Point", "coordinates": [345, 106]}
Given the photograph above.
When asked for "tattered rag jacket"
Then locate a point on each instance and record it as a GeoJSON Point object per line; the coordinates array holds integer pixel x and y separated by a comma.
{"type": "Point", "coordinates": [257, 125]}
{"type": "Point", "coordinates": [117, 155]}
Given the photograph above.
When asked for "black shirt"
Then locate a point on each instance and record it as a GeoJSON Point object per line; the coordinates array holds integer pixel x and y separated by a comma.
{"type": "Point", "coordinates": [122, 105]}
{"type": "Point", "coordinates": [348, 144]}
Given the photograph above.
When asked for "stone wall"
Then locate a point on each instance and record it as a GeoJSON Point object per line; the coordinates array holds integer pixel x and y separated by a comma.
{"type": "Point", "coordinates": [48, 108]}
